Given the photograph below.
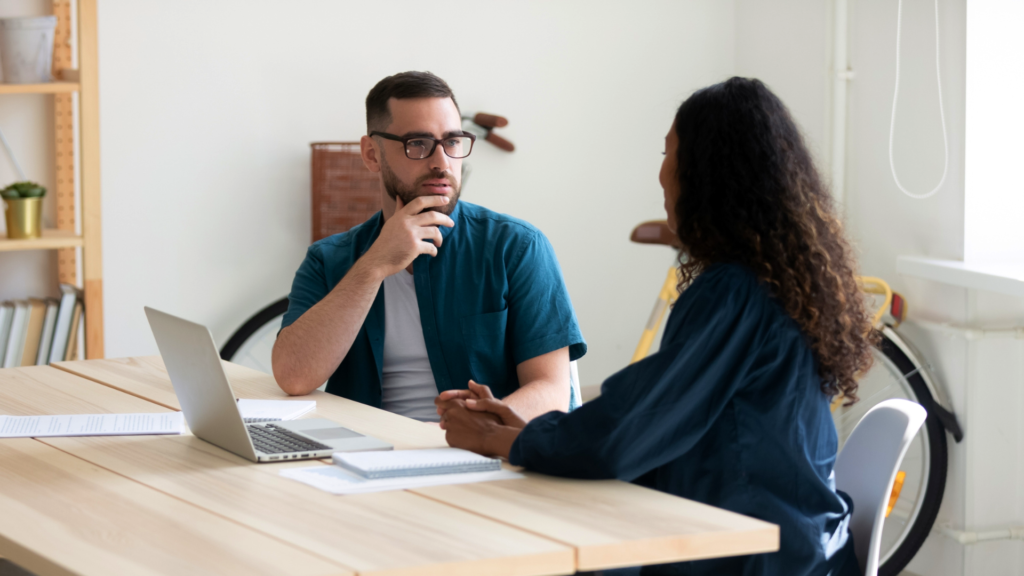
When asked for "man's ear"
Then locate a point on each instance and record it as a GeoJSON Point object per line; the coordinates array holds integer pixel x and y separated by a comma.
{"type": "Point", "coordinates": [370, 153]}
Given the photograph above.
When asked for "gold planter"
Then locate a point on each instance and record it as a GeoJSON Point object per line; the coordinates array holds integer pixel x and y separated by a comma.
{"type": "Point", "coordinates": [24, 218]}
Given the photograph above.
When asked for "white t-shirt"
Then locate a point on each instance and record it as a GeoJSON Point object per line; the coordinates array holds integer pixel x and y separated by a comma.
{"type": "Point", "coordinates": [409, 387]}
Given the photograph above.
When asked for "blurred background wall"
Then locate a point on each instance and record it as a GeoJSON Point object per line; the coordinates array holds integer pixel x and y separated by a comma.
{"type": "Point", "coordinates": [207, 119]}
{"type": "Point", "coordinates": [208, 109]}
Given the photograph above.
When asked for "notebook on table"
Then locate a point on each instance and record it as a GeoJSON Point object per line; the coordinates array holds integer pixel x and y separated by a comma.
{"type": "Point", "coordinates": [400, 463]}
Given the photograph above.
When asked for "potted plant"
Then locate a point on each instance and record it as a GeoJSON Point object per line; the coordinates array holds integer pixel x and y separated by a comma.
{"type": "Point", "coordinates": [23, 202]}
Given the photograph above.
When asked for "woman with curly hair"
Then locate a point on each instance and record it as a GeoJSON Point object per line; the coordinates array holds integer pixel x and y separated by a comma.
{"type": "Point", "coordinates": [733, 409]}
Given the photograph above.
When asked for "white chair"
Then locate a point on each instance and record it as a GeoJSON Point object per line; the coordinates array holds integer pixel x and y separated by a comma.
{"type": "Point", "coordinates": [575, 396]}
{"type": "Point", "coordinates": [867, 466]}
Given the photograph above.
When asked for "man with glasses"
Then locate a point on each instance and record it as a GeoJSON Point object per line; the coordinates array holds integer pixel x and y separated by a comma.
{"type": "Point", "coordinates": [430, 292]}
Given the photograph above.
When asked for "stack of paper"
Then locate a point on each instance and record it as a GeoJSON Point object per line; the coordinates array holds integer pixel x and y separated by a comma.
{"type": "Point", "coordinates": [91, 425]}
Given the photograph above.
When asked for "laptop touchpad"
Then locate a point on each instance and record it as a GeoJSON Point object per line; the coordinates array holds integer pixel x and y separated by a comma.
{"type": "Point", "coordinates": [331, 433]}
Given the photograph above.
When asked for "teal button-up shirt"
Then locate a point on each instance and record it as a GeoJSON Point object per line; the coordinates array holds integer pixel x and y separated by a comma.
{"type": "Point", "coordinates": [492, 298]}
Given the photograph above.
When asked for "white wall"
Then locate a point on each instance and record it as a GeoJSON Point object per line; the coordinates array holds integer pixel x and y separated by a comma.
{"type": "Point", "coordinates": [207, 110]}
{"type": "Point", "coordinates": [983, 378]}
{"type": "Point", "coordinates": [786, 44]}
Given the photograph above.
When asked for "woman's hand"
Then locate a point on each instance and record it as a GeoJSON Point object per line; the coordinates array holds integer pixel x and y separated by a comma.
{"type": "Point", "coordinates": [452, 398]}
{"type": "Point", "coordinates": [480, 423]}
{"type": "Point", "coordinates": [489, 405]}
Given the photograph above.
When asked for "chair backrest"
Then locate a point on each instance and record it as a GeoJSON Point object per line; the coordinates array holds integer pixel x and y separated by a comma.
{"type": "Point", "coordinates": [575, 396]}
{"type": "Point", "coordinates": [867, 466]}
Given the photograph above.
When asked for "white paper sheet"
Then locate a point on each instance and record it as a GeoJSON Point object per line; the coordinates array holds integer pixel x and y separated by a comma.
{"type": "Point", "coordinates": [91, 425]}
{"type": "Point", "coordinates": [336, 480]}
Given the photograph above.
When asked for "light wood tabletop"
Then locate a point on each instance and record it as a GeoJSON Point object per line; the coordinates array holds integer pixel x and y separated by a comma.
{"type": "Point", "coordinates": [612, 523]}
{"type": "Point", "coordinates": [536, 525]}
{"type": "Point", "coordinates": [60, 514]}
{"type": "Point", "coordinates": [390, 533]}
{"type": "Point", "coordinates": [383, 533]}
{"type": "Point", "coordinates": [146, 377]}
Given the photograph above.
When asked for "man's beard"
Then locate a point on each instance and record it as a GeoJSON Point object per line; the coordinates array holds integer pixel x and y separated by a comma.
{"type": "Point", "coordinates": [396, 189]}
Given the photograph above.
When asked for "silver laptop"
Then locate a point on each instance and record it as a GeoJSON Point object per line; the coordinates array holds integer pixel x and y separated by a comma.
{"type": "Point", "coordinates": [212, 412]}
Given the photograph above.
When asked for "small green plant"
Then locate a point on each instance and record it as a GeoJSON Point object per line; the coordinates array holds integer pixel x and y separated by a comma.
{"type": "Point", "coordinates": [24, 189]}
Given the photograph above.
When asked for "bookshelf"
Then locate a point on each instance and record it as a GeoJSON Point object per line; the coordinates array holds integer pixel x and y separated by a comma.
{"type": "Point", "coordinates": [82, 81]}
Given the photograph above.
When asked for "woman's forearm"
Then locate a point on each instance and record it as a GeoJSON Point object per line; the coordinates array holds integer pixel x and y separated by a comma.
{"type": "Point", "coordinates": [499, 442]}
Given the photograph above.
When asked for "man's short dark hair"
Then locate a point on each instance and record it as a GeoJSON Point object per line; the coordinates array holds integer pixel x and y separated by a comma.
{"type": "Point", "coordinates": [401, 86]}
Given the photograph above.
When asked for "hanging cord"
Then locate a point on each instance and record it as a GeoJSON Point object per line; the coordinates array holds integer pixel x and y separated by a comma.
{"type": "Point", "coordinates": [10, 154]}
{"type": "Point", "coordinates": [942, 114]}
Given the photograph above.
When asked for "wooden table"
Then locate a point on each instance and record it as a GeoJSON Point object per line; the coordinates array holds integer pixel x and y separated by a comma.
{"type": "Point", "coordinates": [177, 505]}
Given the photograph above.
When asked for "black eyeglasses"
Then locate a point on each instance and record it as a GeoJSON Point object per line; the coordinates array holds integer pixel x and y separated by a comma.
{"type": "Point", "coordinates": [420, 147]}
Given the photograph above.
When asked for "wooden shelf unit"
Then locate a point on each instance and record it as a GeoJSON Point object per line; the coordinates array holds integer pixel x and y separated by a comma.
{"type": "Point", "coordinates": [64, 239]}
{"type": "Point", "coordinates": [51, 240]}
{"type": "Point", "coordinates": [47, 88]}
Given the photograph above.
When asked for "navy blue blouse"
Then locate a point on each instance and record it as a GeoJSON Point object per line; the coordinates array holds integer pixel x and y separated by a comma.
{"type": "Point", "coordinates": [728, 412]}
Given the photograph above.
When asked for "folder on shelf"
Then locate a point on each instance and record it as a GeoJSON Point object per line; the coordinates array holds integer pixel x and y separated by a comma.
{"type": "Point", "coordinates": [71, 353]}
{"type": "Point", "coordinates": [19, 331]}
{"type": "Point", "coordinates": [46, 338]}
{"type": "Point", "coordinates": [6, 316]}
{"type": "Point", "coordinates": [34, 331]}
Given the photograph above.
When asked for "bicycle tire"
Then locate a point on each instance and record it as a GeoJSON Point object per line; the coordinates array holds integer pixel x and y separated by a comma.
{"type": "Point", "coordinates": [251, 326]}
{"type": "Point", "coordinates": [935, 487]}
{"type": "Point", "coordinates": [899, 372]}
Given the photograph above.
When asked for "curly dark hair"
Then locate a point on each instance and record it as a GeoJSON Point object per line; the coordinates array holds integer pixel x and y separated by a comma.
{"type": "Point", "coordinates": [750, 194]}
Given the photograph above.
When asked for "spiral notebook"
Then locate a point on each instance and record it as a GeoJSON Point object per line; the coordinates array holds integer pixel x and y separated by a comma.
{"type": "Point", "coordinates": [401, 463]}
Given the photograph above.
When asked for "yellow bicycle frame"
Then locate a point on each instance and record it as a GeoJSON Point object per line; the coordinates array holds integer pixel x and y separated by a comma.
{"type": "Point", "coordinates": [871, 285]}
{"type": "Point", "coordinates": [669, 293]}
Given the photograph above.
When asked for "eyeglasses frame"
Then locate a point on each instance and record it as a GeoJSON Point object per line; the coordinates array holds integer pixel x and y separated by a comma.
{"type": "Point", "coordinates": [405, 143]}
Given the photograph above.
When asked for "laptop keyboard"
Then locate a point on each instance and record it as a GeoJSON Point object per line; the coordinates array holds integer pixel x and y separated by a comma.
{"type": "Point", "coordinates": [271, 439]}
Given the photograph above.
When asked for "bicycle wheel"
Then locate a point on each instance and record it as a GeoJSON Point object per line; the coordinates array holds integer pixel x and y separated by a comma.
{"type": "Point", "coordinates": [252, 344]}
{"type": "Point", "coordinates": [900, 374]}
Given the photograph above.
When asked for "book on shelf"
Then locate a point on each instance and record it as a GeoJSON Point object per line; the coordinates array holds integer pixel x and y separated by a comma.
{"type": "Point", "coordinates": [64, 334]}
{"type": "Point", "coordinates": [46, 338]}
{"type": "Point", "coordinates": [6, 317]}
{"type": "Point", "coordinates": [33, 331]}
{"type": "Point", "coordinates": [71, 351]}
{"type": "Point", "coordinates": [37, 331]}
{"type": "Point", "coordinates": [16, 338]}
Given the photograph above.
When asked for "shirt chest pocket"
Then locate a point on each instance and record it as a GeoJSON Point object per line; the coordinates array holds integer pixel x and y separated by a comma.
{"type": "Point", "coordinates": [484, 336]}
